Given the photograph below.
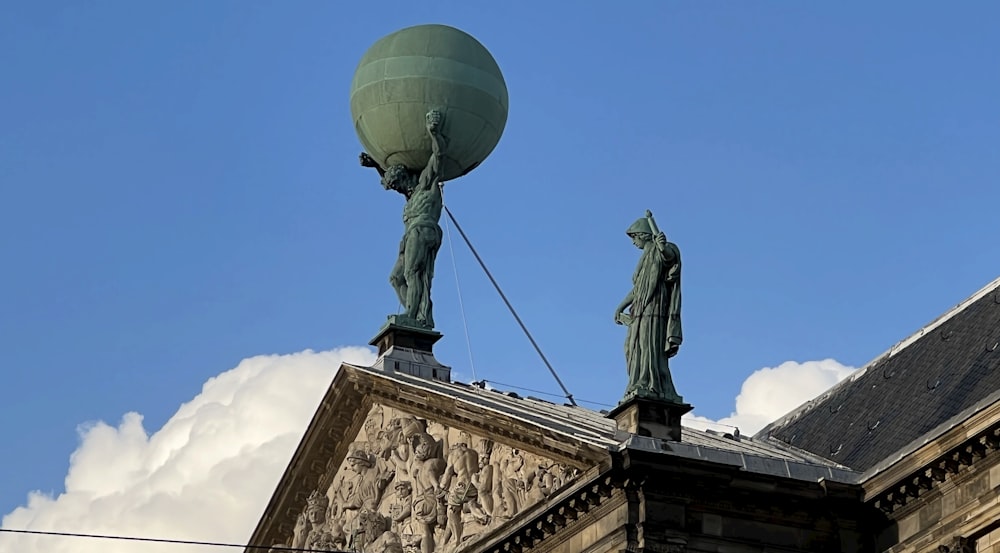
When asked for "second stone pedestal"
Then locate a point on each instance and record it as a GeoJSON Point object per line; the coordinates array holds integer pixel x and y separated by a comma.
{"type": "Point", "coordinates": [650, 417]}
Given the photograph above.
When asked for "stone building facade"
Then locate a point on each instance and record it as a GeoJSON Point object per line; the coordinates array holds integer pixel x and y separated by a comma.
{"type": "Point", "coordinates": [902, 456]}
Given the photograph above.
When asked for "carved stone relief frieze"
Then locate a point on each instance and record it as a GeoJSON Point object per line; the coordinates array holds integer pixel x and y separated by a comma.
{"type": "Point", "coordinates": [410, 485]}
{"type": "Point", "coordinates": [958, 544]}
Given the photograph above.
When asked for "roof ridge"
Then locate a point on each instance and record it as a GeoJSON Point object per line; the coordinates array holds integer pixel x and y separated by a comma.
{"type": "Point", "coordinates": [892, 351]}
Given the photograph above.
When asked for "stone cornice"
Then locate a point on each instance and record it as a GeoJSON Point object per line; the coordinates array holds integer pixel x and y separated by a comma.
{"type": "Point", "coordinates": [947, 436]}
{"type": "Point", "coordinates": [579, 503]}
{"type": "Point", "coordinates": [952, 454]}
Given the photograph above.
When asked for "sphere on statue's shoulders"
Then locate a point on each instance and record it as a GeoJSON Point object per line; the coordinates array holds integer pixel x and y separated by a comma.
{"type": "Point", "coordinates": [411, 72]}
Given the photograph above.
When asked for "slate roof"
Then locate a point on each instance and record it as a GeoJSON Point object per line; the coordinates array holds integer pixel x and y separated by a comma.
{"type": "Point", "coordinates": [905, 395]}
{"type": "Point", "coordinates": [596, 429]}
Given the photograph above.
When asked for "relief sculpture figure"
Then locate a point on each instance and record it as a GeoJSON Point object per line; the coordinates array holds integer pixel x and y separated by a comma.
{"type": "Point", "coordinates": [512, 482]}
{"type": "Point", "coordinates": [457, 485]}
{"type": "Point", "coordinates": [484, 479]}
{"type": "Point", "coordinates": [372, 481]}
{"type": "Point", "coordinates": [301, 530]}
{"type": "Point", "coordinates": [411, 276]}
{"type": "Point", "coordinates": [359, 489]}
{"type": "Point", "coordinates": [412, 485]}
{"type": "Point", "coordinates": [654, 314]}
{"type": "Point", "coordinates": [321, 533]}
{"type": "Point", "coordinates": [388, 542]}
{"type": "Point", "coordinates": [426, 469]}
{"type": "Point", "coordinates": [402, 509]}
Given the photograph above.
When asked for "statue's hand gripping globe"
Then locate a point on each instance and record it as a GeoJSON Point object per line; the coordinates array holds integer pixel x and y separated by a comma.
{"type": "Point", "coordinates": [420, 69]}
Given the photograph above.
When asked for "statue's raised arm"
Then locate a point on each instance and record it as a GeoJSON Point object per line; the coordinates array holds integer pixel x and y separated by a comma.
{"type": "Point", "coordinates": [659, 238]}
{"type": "Point", "coordinates": [431, 175]}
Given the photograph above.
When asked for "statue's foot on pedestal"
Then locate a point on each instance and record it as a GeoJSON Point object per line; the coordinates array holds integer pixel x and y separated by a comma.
{"type": "Point", "coordinates": [408, 321]}
{"type": "Point", "coordinates": [404, 331]}
{"type": "Point", "coordinates": [640, 393]}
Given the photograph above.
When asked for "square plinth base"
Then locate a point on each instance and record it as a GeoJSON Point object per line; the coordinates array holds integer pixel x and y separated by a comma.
{"type": "Point", "coordinates": [407, 350]}
{"type": "Point", "coordinates": [650, 417]}
{"type": "Point", "coordinates": [405, 336]}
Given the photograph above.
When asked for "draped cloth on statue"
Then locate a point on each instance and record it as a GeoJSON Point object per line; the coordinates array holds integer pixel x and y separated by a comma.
{"type": "Point", "coordinates": [654, 332]}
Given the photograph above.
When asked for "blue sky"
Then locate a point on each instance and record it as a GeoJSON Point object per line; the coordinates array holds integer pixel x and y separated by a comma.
{"type": "Point", "coordinates": [181, 191]}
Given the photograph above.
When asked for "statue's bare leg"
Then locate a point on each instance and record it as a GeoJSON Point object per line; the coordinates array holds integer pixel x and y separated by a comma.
{"type": "Point", "coordinates": [427, 543]}
{"type": "Point", "coordinates": [455, 526]}
{"type": "Point", "coordinates": [486, 500]}
{"type": "Point", "coordinates": [396, 277]}
{"type": "Point", "coordinates": [424, 312]}
{"type": "Point", "coordinates": [510, 498]}
{"type": "Point", "coordinates": [412, 294]}
{"type": "Point", "coordinates": [432, 243]}
{"type": "Point", "coordinates": [413, 272]}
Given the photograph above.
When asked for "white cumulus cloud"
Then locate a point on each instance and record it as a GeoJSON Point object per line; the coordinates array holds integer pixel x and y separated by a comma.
{"type": "Point", "coordinates": [771, 392]}
{"type": "Point", "coordinates": [205, 476]}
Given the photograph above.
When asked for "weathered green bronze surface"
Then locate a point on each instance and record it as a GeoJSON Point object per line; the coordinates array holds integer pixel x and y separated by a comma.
{"type": "Point", "coordinates": [654, 316]}
{"type": "Point", "coordinates": [429, 104]}
{"type": "Point", "coordinates": [427, 68]}
{"type": "Point", "coordinates": [414, 269]}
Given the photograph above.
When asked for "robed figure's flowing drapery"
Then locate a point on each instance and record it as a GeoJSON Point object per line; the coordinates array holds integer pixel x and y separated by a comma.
{"type": "Point", "coordinates": [654, 332]}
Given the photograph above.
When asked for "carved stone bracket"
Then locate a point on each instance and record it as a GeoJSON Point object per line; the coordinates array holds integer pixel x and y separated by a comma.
{"type": "Point", "coordinates": [951, 463]}
{"type": "Point", "coordinates": [557, 516]}
{"type": "Point", "coordinates": [958, 544]}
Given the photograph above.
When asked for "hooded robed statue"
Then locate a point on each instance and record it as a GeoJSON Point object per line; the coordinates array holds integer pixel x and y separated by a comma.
{"type": "Point", "coordinates": [654, 314]}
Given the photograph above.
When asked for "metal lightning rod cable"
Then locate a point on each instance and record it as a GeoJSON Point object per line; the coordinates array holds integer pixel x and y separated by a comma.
{"type": "Point", "coordinates": [510, 307]}
{"type": "Point", "coordinates": [461, 304]}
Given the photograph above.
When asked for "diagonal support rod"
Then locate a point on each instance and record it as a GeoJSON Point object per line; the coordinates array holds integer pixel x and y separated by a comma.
{"type": "Point", "coordinates": [510, 307]}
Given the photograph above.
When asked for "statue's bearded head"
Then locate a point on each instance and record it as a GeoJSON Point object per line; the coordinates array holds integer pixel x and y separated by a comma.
{"type": "Point", "coordinates": [398, 178]}
{"type": "Point", "coordinates": [423, 445]}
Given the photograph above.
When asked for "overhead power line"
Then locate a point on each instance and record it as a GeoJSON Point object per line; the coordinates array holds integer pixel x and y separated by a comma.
{"type": "Point", "coordinates": [541, 392]}
{"type": "Point", "coordinates": [169, 541]}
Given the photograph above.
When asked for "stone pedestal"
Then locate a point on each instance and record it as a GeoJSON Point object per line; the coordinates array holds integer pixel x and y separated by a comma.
{"type": "Point", "coordinates": [650, 417]}
{"type": "Point", "coordinates": [409, 350]}
{"type": "Point", "coordinates": [396, 332]}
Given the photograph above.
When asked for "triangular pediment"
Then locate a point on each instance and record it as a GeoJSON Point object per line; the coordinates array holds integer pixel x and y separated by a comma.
{"type": "Point", "coordinates": [395, 463]}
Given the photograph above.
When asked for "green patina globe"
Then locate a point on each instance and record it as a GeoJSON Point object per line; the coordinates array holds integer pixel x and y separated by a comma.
{"type": "Point", "coordinates": [418, 69]}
